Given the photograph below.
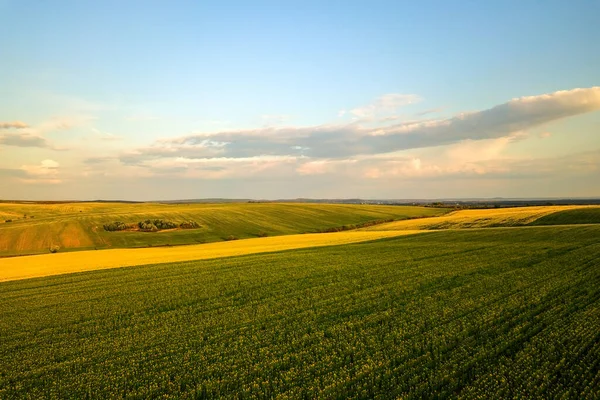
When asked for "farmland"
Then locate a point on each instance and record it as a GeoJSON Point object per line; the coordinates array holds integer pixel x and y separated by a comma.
{"type": "Point", "coordinates": [586, 215]}
{"type": "Point", "coordinates": [500, 217]}
{"type": "Point", "coordinates": [55, 264]}
{"type": "Point", "coordinates": [35, 228]}
{"type": "Point", "coordinates": [467, 313]}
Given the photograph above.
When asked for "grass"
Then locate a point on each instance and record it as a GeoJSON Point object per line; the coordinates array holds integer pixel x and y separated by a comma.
{"type": "Point", "coordinates": [35, 228]}
{"type": "Point", "coordinates": [478, 313]}
{"type": "Point", "coordinates": [62, 263]}
{"type": "Point", "coordinates": [500, 217]}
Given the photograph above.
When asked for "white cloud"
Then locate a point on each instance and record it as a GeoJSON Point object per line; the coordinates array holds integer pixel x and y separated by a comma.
{"type": "Point", "coordinates": [14, 125]}
{"type": "Point", "coordinates": [106, 136]}
{"type": "Point", "coordinates": [62, 123]}
{"type": "Point", "coordinates": [478, 150]}
{"type": "Point", "coordinates": [386, 104]}
{"type": "Point", "coordinates": [46, 171]}
{"type": "Point", "coordinates": [45, 168]}
{"type": "Point", "coordinates": [32, 136]}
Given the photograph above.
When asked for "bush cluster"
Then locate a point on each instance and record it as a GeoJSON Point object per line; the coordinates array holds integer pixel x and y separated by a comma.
{"type": "Point", "coordinates": [150, 225]}
{"type": "Point", "coordinates": [117, 226]}
{"type": "Point", "coordinates": [153, 225]}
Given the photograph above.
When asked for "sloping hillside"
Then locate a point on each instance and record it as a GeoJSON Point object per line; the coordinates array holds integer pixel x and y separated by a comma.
{"type": "Point", "coordinates": [500, 217]}
{"type": "Point", "coordinates": [35, 228]}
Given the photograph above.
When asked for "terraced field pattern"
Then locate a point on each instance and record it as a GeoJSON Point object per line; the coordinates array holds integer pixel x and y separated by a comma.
{"type": "Point", "coordinates": [472, 304]}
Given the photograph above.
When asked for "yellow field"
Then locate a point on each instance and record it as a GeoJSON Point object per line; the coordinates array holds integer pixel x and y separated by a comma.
{"type": "Point", "coordinates": [34, 228]}
{"type": "Point", "coordinates": [63, 263]}
{"type": "Point", "coordinates": [476, 218]}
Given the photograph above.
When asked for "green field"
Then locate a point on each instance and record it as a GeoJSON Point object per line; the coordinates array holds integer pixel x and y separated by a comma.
{"type": "Point", "coordinates": [472, 313]}
{"type": "Point", "coordinates": [589, 215]}
{"type": "Point", "coordinates": [35, 228]}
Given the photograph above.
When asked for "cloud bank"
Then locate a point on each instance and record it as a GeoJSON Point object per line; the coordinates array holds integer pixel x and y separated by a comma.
{"type": "Point", "coordinates": [378, 153]}
{"type": "Point", "coordinates": [353, 139]}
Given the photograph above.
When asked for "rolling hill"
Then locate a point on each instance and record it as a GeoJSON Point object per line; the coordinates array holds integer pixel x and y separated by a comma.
{"type": "Point", "coordinates": [499, 217]}
{"type": "Point", "coordinates": [35, 228]}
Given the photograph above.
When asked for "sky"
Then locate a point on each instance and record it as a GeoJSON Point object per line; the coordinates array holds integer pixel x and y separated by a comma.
{"type": "Point", "coordinates": [158, 100]}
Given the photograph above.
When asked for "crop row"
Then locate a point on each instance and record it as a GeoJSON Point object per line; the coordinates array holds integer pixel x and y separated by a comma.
{"type": "Point", "coordinates": [495, 314]}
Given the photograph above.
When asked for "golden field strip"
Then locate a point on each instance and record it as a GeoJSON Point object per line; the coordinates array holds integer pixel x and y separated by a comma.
{"type": "Point", "coordinates": [477, 218]}
{"type": "Point", "coordinates": [24, 267]}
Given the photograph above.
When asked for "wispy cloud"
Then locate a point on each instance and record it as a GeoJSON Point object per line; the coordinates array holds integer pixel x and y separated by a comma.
{"type": "Point", "coordinates": [386, 104]}
{"type": "Point", "coordinates": [24, 140]}
{"type": "Point", "coordinates": [33, 136]}
{"type": "Point", "coordinates": [98, 160]}
{"type": "Point", "coordinates": [106, 136]}
{"type": "Point", "coordinates": [13, 125]}
{"type": "Point", "coordinates": [271, 120]}
{"type": "Point", "coordinates": [430, 111]}
{"type": "Point", "coordinates": [46, 172]}
{"type": "Point", "coordinates": [63, 123]}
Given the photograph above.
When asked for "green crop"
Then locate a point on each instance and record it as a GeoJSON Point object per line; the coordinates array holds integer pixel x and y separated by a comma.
{"type": "Point", "coordinates": [486, 313]}
{"type": "Point", "coordinates": [588, 215]}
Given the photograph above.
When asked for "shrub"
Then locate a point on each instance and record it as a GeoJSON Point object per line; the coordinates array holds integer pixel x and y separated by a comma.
{"type": "Point", "coordinates": [231, 237]}
{"type": "Point", "coordinates": [117, 226]}
{"type": "Point", "coordinates": [159, 224]}
{"type": "Point", "coordinates": [262, 234]}
{"type": "Point", "coordinates": [8, 220]}
{"type": "Point", "coordinates": [54, 249]}
{"type": "Point", "coordinates": [189, 225]}
{"type": "Point", "coordinates": [147, 226]}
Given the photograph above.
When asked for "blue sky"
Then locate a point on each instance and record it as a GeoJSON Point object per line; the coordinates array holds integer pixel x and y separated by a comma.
{"type": "Point", "coordinates": [279, 99]}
